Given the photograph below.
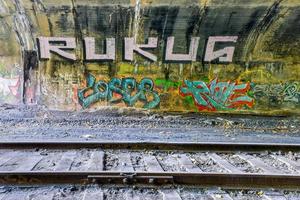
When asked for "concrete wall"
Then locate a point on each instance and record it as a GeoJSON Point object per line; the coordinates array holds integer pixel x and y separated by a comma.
{"type": "Point", "coordinates": [263, 77]}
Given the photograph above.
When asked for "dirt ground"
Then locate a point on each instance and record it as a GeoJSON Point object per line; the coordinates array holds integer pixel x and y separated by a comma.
{"type": "Point", "coordinates": [112, 124]}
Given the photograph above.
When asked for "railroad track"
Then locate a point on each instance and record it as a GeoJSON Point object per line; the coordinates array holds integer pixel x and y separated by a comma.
{"type": "Point", "coordinates": [218, 146]}
{"type": "Point", "coordinates": [205, 164]}
{"type": "Point", "coordinates": [96, 192]}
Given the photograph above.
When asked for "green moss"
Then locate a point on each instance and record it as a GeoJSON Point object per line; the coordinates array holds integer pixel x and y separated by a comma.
{"type": "Point", "coordinates": [167, 84]}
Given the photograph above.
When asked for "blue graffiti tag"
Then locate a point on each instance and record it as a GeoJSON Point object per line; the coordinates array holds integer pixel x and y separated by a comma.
{"type": "Point", "coordinates": [129, 90]}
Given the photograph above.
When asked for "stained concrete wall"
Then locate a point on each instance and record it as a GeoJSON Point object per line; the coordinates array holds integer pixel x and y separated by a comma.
{"type": "Point", "coordinates": [263, 78]}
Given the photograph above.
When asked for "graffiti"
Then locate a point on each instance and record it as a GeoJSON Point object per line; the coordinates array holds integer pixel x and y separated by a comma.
{"type": "Point", "coordinates": [277, 94]}
{"type": "Point", "coordinates": [211, 55]}
{"type": "Point", "coordinates": [292, 92]}
{"type": "Point", "coordinates": [217, 96]}
{"type": "Point", "coordinates": [125, 90]}
{"type": "Point", "coordinates": [59, 45]}
{"type": "Point", "coordinates": [9, 86]}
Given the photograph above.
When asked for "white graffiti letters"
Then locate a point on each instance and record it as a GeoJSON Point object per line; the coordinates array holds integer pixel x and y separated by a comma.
{"type": "Point", "coordinates": [53, 44]}
{"type": "Point", "coordinates": [191, 56]}
{"type": "Point", "coordinates": [90, 54]}
{"type": "Point", "coordinates": [131, 46]}
{"type": "Point", "coordinates": [211, 55]}
{"type": "Point", "coordinates": [62, 47]}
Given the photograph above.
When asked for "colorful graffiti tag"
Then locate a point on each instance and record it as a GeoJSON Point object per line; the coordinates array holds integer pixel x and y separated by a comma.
{"type": "Point", "coordinates": [278, 94]}
{"type": "Point", "coordinates": [216, 95]}
{"type": "Point", "coordinates": [9, 86]}
{"type": "Point", "coordinates": [126, 90]}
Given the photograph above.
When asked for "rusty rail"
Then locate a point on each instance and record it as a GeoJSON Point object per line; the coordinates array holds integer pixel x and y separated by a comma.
{"type": "Point", "coordinates": [188, 146]}
{"type": "Point", "coordinates": [153, 178]}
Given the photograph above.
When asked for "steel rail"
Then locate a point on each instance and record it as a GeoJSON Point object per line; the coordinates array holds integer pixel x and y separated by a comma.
{"type": "Point", "coordinates": [153, 178]}
{"type": "Point", "coordinates": [188, 146]}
